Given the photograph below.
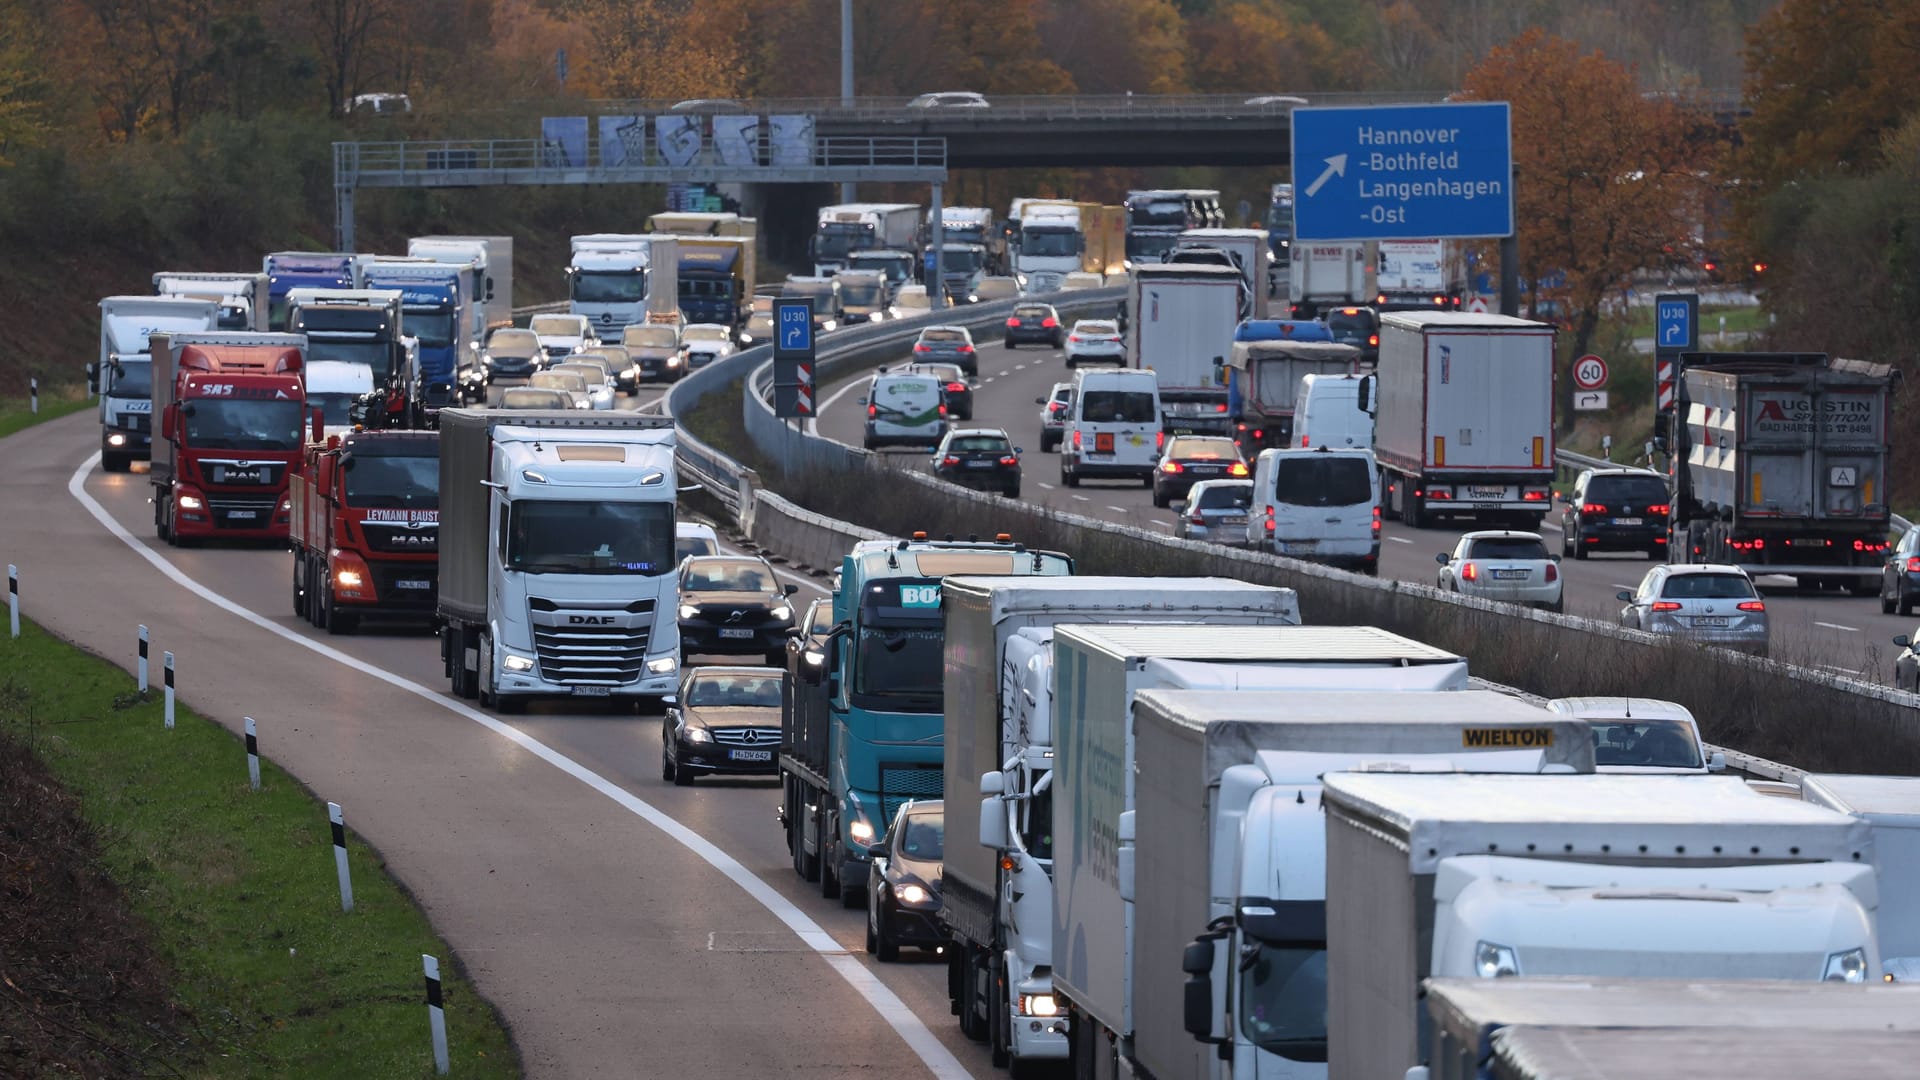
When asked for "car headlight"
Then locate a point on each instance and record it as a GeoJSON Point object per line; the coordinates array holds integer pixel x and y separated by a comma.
{"type": "Point", "coordinates": [689, 611]}
{"type": "Point", "coordinates": [516, 662]}
{"type": "Point", "coordinates": [1039, 1005]}
{"type": "Point", "coordinates": [746, 339]}
{"type": "Point", "coordinates": [697, 734]}
{"type": "Point", "coordinates": [783, 612]}
{"type": "Point", "coordinates": [912, 895]}
{"type": "Point", "coordinates": [1492, 961]}
{"type": "Point", "coordinates": [1848, 967]}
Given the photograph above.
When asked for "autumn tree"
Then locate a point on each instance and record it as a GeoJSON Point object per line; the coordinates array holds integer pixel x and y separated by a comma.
{"type": "Point", "coordinates": [1256, 46]}
{"type": "Point", "coordinates": [23, 120]}
{"type": "Point", "coordinates": [1608, 179]}
{"type": "Point", "coordinates": [660, 49]}
{"type": "Point", "coordinates": [1118, 46]}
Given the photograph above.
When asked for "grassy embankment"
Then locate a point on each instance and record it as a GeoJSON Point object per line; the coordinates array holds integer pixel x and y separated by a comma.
{"type": "Point", "coordinates": [254, 970]}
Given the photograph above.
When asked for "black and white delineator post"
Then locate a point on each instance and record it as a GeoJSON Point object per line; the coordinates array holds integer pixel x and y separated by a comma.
{"type": "Point", "coordinates": [340, 855]}
{"type": "Point", "coordinates": [166, 679]}
{"type": "Point", "coordinates": [13, 599]}
{"type": "Point", "coordinates": [436, 1015]}
{"type": "Point", "coordinates": [143, 661]}
{"type": "Point", "coordinates": [33, 394]}
{"type": "Point", "coordinates": [253, 756]}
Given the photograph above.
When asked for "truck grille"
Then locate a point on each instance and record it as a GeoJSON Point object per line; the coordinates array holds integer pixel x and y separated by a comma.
{"type": "Point", "coordinates": [572, 649]}
{"type": "Point", "coordinates": [140, 422]}
{"type": "Point", "coordinates": [903, 783]}
{"type": "Point", "coordinates": [399, 538]}
{"type": "Point", "coordinates": [763, 738]}
{"type": "Point", "coordinates": [255, 511]}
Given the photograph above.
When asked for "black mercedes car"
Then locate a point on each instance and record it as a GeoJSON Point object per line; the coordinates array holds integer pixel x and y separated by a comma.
{"type": "Point", "coordinates": [903, 882]}
{"type": "Point", "coordinates": [732, 605]}
{"type": "Point", "coordinates": [724, 720]}
{"type": "Point", "coordinates": [981, 458]}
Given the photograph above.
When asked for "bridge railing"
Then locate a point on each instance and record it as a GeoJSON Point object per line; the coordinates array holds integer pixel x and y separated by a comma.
{"type": "Point", "coordinates": [364, 162]}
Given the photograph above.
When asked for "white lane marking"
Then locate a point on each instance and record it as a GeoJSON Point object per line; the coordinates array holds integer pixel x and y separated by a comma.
{"type": "Point", "coordinates": [1118, 509]}
{"type": "Point", "coordinates": [837, 395]}
{"type": "Point", "coordinates": [1838, 668]}
{"type": "Point", "coordinates": [990, 378]}
{"type": "Point", "coordinates": [1837, 626]}
{"type": "Point", "coordinates": [931, 1052]}
{"type": "Point", "coordinates": [1617, 585]}
{"type": "Point", "coordinates": [1399, 540]}
{"type": "Point", "coordinates": [1081, 498]}
{"type": "Point", "coordinates": [1044, 484]}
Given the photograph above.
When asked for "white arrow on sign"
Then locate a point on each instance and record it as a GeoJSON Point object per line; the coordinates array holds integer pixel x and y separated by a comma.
{"type": "Point", "coordinates": [1336, 166]}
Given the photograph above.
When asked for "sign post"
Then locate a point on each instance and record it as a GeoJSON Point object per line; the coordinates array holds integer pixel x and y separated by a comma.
{"type": "Point", "coordinates": [1676, 330]}
{"type": "Point", "coordinates": [1589, 380]}
{"type": "Point", "coordinates": [793, 356]}
{"type": "Point", "coordinates": [1404, 171]}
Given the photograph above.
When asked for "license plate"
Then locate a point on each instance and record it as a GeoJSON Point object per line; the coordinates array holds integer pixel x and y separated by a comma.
{"type": "Point", "coordinates": [1234, 519]}
{"type": "Point", "coordinates": [241, 515]}
{"type": "Point", "coordinates": [591, 691]}
{"type": "Point", "coordinates": [1291, 546]}
{"type": "Point", "coordinates": [733, 632]}
{"type": "Point", "coordinates": [979, 464]}
{"type": "Point", "coordinates": [1103, 443]}
{"type": "Point", "coordinates": [750, 755]}
{"type": "Point", "coordinates": [413, 584]}
{"type": "Point", "coordinates": [1712, 621]}
{"type": "Point", "coordinates": [1486, 493]}
{"type": "Point", "coordinates": [1512, 575]}
{"type": "Point", "coordinates": [1626, 521]}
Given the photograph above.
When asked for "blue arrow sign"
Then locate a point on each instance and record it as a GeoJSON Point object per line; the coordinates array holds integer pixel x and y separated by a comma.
{"type": "Point", "coordinates": [1403, 171]}
{"type": "Point", "coordinates": [1673, 324]}
{"type": "Point", "coordinates": [794, 324]}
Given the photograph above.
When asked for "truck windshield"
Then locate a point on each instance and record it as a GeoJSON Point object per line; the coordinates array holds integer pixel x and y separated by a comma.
{"type": "Point", "coordinates": [239, 424]}
{"type": "Point", "coordinates": [132, 379]}
{"type": "Point", "coordinates": [433, 328]}
{"type": "Point", "coordinates": [394, 482]}
{"type": "Point", "coordinates": [563, 537]}
{"type": "Point", "coordinates": [894, 267]}
{"type": "Point", "coordinates": [335, 408]}
{"type": "Point", "coordinates": [967, 260]}
{"type": "Point", "coordinates": [862, 294]}
{"type": "Point", "coordinates": [1049, 243]}
{"type": "Point", "coordinates": [609, 287]}
{"type": "Point", "coordinates": [1159, 212]}
{"type": "Point", "coordinates": [372, 355]}
{"type": "Point", "coordinates": [1151, 247]}
{"type": "Point", "coordinates": [835, 241]}
{"type": "Point", "coordinates": [1283, 999]}
{"type": "Point", "coordinates": [1322, 480]}
{"type": "Point", "coordinates": [898, 668]}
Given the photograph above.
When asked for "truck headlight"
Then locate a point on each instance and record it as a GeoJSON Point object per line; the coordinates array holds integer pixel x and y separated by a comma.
{"type": "Point", "coordinates": [1848, 967]}
{"type": "Point", "coordinates": [1492, 961]}
{"type": "Point", "coordinates": [666, 665]}
{"type": "Point", "coordinates": [116, 439]}
{"type": "Point", "coordinates": [516, 662]}
{"type": "Point", "coordinates": [862, 831]}
{"type": "Point", "coordinates": [1039, 1005]}
{"type": "Point", "coordinates": [689, 611]}
{"type": "Point", "coordinates": [189, 502]}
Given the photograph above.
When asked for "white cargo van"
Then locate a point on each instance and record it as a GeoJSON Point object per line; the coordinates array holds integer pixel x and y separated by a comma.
{"type": "Point", "coordinates": [904, 409]}
{"type": "Point", "coordinates": [1321, 504]}
{"type": "Point", "coordinates": [1335, 411]}
{"type": "Point", "coordinates": [1114, 428]}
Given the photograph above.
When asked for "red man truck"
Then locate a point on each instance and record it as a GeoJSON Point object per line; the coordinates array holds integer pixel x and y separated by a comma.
{"type": "Point", "coordinates": [231, 416]}
{"type": "Point", "coordinates": [366, 528]}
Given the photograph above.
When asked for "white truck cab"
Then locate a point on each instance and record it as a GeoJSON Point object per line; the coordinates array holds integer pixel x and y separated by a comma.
{"type": "Point", "coordinates": [123, 374]}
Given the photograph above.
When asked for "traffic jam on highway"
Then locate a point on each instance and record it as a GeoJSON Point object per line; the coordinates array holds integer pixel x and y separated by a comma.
{"type": "Point", "coordinates": [1194, 835]}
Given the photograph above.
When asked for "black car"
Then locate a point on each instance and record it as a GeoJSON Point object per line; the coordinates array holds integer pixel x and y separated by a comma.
{"type": "Point", "coordinates": [1195, 411]}
{"type": "Point", "coordinates": [1035, 324]}
{"type": "Point", "coordinates": [807, 642]}
{"type": "Point", "coordinates": [981, 458]}
{"type": "Point", "coordinates": [954, 388]}
{"type": "Point", "coordinates": [1900, 579]}
{"type": "Point", "coordinates": [1359, 327]}
{"type": "Point", "coordinates": [1189, 459]}
{"type": "Point", "coordinates": [732, 604]}
{"type": "Point", "coordinates": [903, 882]}
{"type": "Point", "coordinates": [724, 720]}
{"type": "Point", "coordinates": [1616, 510]}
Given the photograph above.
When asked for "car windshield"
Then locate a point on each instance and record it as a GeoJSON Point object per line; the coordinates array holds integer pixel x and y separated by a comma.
{"type": "Point", "coordinates": [1117, 407]}
{"type": "Point", "coordinates": [650, 337]}
{"type": "Point", "coordinates": [335, 408]}
{"type": "Point", "coordinates": [554, 326]}
{"type": "Point", "coordinates": [728, 575]}
{"type": "Point", "coordinates": [607, 287]}
{"type": "Point", "coordinates": [1224, 497]}
{"type": "Point", "coordinates": [734, 691]}
{"type": "Point", "coordinates": [1665, 743]}
{"type": "Point", "coordinates": [393, 482]}
{"type": "Point", "coordinates": [599, 537]}
{"type": "Point", "coordinates": [1627, 490]}
{"type": "Point", "coordinates": [1322, 480]}
{"type": "Point", "coordinates": [923, 836]}
{"type": "Point", "coordinates": [980, 444]}
{"type": "Point", "coordinates": [1350, 327]}
{"type": "Point", "coordinates": [1033, 313]}
{"type": "Point", "coordinates": [433, 328]}
{"type": "Point", "coordinates": [526, 397]}
{"type": "Point", "coordinates": [132, 379]}
{"type": "Point", "coordinates": [513, 342]}
{"type": "Point", "coordinates": [861, 294]}
{"type": "Point", "coordinates": [1508, 547]}
{"type": "Point", "coordinates": [592, 375]}
{"type": "Point", "coordinates": [684, 546]}
{"type": "Point", "coordinates": [1051, 243]}
{"type": "Point", "coordinates": [704, 332]}
{"type": "Point", "coordinates": [557, 380]}
{"type": "Point", "coordinates": [241, 424]}
{"type": "Point", "coordinates": [899, 666]}
{"type": "Point", "coordinates": [1096, 329]}
{"type": "Point", "coordinates": [942, 337]}
{"type": "Point", "coordinates": [1203, 448]}
{"type": "Point", "coordinates": [1707, 587]}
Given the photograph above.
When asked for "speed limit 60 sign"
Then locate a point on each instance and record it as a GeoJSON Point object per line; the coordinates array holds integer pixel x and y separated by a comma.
{"type": "Point", "coordinates": [1589, 372]}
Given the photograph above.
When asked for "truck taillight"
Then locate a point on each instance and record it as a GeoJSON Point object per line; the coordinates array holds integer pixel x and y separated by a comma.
{"type": "Point", "coordinates": [1159, 440]}
{"type": "Point", "coordinates": [1076, 440]}
{"type": "Point", "coordinates": [873, 411]}
{"type": "Point", "coordinates": [1376, 519]}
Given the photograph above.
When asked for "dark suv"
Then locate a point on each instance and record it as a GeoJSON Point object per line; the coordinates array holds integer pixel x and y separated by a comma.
{"type": "Point", "coordinates": [1359, 327]}
{"type": "Point", "coordinates": [1616, 510]}
{"type": "Point", "coordinates": [732, 604]}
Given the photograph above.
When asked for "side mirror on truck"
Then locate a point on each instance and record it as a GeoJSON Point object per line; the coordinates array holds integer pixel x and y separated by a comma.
{"type": "Point", "coordinates": [323, 481]}
{"type": "Point", "coordinates": [993, 822]}
{"type": "Point", "coordinates": [168, 421]}
{"type": "Point", "coordinates": [93, 376]}
{"type": "Point", "coordinates": [1199, 1008]}
{"type": "Point", "coordinates": [319, 425]}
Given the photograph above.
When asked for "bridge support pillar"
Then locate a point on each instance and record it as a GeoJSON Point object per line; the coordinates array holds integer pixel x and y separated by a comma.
{"type": "Point", "coordinates": [937, 284]}
{"type": "Point", "coordinates": [343, 217]}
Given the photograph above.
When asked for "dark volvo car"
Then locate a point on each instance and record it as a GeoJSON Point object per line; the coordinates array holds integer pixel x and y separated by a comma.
{"type": "Point", "coordinates": [733, 605]}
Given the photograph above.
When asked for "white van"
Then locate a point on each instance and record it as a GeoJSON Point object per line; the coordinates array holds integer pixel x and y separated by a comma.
{"type": "Point", "coordinates": [1335, 411]}
{"type": "Point", "coordinates": [904, 409]}
{"type": "Point", "coordinates": [1114, 427]}
{"type": "Point", "coordinates": [1320, 504]}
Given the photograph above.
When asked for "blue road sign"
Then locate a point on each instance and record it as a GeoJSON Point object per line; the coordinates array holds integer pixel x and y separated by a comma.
{"type": "Point", "coordinates": [793, 326]}
{"type": "Point", "coordinates": [1403, 171]}
{"type": "Point", "coordinates": [1673, 325]}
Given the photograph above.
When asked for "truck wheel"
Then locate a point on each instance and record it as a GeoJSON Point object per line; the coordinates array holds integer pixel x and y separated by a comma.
{"type": "Point", "coordinates": [999, 1040]}
{"type": "Point", "coordinates": [162, 520]}
{"type": "Point", "coordinates": [970, 1020]}
{"type": "Point", "coordinates": [1410, 512]}
{"type": "Point", "coordinates": [299, 594]}
{"type": "Point", "coordinates": [466, 681]}
{"type": "Point", "coordinates": [1067, 476]}
{"type": "Point", "coordinates": [829, 870]}
{"type": "Point", "coordinates": [337, 621]}
{"type": "Point", "coordinates": [1906, 607]}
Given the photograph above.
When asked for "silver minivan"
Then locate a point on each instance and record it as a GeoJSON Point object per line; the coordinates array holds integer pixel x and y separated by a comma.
{"type": "Point", "coordinates": [904, 409]}
{"type": "Point", "coordinates": [1320, 504]}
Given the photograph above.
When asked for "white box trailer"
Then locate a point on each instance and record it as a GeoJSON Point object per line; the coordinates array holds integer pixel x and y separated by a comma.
{"type": "Point", "coordinates": [1613, 875]}
{"type": "Point", "coordinates": [1180, 321]}
{"type": "Point", "coordinates": [1891, 804]}
{"type": "Point", "coordinates": [1097, 670]}
{"type": "Point", "coordinates": [1466, 1016]}
{"type": "Point", "coordinates": [1465, 421]}
{"type": "Point", "coordinates": [1327, 274]}
{"type": "Point", "coordinates": [1593, 1053]}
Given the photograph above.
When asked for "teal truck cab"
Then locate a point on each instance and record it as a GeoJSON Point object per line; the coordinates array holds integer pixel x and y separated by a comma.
{"type": "Point", "coordinates": [864, 732]}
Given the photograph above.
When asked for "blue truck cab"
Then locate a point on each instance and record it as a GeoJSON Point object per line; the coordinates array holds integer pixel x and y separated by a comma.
{"type": "Point", "coordinates": [710, 285]}
{"type": "Point", "coordinates": [436, 310]}
{"type": "Point", "coordinates": [864, 732]}
{"type": "Point", "coordinates": [290, 270]}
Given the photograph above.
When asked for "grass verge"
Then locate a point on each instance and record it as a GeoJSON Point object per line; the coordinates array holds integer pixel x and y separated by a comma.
{"type": "Point", "coordinates": [17, 414]}
{"type": "Point", "coordinates": [239, 891]}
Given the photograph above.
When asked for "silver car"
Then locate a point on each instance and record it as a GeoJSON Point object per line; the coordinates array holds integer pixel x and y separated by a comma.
{"type": "Point", "coordinates": [1214, 510]}
{"type": "Point", "coordinates": [1711, 604]}
{"type": "Point", "coordinates": [1502, 565]}
{"type": "Point", "coordinates": [1641, 735]}
{"type": "Point", "coordinates": [1053, 415]}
